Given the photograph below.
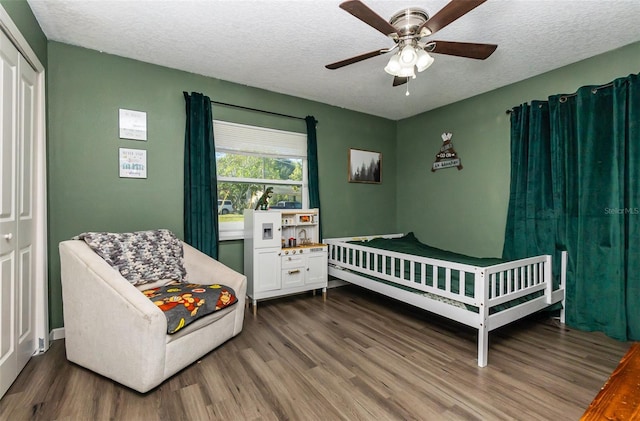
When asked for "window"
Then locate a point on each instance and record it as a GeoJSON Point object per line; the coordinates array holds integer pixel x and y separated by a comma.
{"type": "Point", "coordinates": [249, 160]}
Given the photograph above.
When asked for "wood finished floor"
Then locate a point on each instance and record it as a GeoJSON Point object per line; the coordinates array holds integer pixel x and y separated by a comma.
{"type": "Point", "coordinates": [357, 356]}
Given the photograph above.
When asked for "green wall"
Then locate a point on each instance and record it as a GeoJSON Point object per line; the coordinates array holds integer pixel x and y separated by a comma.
{"type": "Point", "coordinates": [458, 210]}
{"type": "Point", "coordinates": [466, 210]}
{"type": "Point", "coordinates": [22, 16]}
{"type": "Point", "coordinates": [85, 90]}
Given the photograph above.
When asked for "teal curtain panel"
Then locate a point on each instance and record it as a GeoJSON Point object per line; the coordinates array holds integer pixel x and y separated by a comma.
{"type": "Point", "coordinates": [200, 181]}
{"type": "Point", "coordinates": [575, 185]}
{"type": "Point", "coordinates": [312, 163]}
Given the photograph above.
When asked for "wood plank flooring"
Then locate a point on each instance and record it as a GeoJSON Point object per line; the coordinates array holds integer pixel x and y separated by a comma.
{"type": "Point", "coordinates": [357, 356]}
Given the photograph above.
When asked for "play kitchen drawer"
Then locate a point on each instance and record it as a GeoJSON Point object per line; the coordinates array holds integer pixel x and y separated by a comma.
{"type": "Point", "coordinates": [292, 261]}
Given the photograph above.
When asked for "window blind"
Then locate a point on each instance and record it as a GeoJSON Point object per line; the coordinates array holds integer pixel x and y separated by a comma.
{"type": "Point", "coordinates": [240, 138]}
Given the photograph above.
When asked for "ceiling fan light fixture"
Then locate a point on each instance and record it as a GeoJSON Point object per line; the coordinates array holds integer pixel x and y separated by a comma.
{"type": "Point", "coordinates": [424, 60]}
{"type": "Point", "coordinates": [393, 67]}
{"type": "Point", "coordinates": [408, 56]}
{"type": "Point", "coordinates": [407, 72]}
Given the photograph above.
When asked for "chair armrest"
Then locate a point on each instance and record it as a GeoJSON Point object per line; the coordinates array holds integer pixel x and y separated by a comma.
{"type": "Point", "coordinates": [203, 269]}
{"type": "Point", "coordinates": [81, 267]}
{"type": "Point", "coordinates": [118, 331]}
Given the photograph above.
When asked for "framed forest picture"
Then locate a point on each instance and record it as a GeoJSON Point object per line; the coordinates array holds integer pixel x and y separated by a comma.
{"type": "Point", "coordinates": [365, 166]}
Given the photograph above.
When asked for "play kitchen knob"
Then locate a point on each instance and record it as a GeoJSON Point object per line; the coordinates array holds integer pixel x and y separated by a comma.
{"type": "Point", "coordinates": [8, 237]}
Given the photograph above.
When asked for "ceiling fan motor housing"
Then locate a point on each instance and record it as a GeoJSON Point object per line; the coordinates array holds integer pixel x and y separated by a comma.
{"type": "Point", "coordinates": [408, 21]}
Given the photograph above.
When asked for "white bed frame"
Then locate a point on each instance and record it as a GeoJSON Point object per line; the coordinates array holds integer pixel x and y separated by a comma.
{"type": "Point", "coordinates": [493, 285]}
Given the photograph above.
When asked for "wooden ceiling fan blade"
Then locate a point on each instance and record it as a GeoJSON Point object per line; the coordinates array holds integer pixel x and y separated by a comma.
{"type": "Point", "coordinates": [397, 80]}
{"type": "Point", "coordinates": [461, 49]}
{"type": "Point", "coordinates": [342, 63]}
{"type": "Point", "coordinates": [368, 16]}
{"type": "Point", "coordinates": [449, 13]}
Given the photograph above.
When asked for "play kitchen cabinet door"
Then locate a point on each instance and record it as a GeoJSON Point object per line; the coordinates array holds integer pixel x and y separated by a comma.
{"type": "Point", "coordinates": [282, 253]}
{"type": "Point", "coordinates": [267, 277]}
{"type": "Point", "coordinates": [316, 268]}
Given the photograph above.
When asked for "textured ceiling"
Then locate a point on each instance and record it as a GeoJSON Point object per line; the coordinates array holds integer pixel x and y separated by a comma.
{"type": "Point", "coordinates": [283, 45]}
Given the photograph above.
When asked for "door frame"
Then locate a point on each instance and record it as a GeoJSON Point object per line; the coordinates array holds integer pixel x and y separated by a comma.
{"type": "Point", "coordinates": [41, 311]}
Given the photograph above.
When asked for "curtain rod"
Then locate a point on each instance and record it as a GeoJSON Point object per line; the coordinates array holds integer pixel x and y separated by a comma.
{"type": "Point", "coordinates": [563, 98]}
{"type": "Point", "coordinates": [260, 111]}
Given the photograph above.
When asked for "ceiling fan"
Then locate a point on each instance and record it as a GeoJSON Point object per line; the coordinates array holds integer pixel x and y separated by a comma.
{"type": "Point", "coordinates": [409, 29]}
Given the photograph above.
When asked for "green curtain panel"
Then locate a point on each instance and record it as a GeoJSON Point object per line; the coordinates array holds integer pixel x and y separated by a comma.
{"type": "Point", "coordinates": [200, 181]}
{"type": "Point", "coordinates": [530, 227]}
{"type": "Point", "coordinates": [575, 185]}
{"type": "Point", "coordinates": [312, 163]}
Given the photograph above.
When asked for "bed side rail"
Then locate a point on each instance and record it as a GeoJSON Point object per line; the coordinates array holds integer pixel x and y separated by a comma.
{"type": "Point", "coordinates": [450, 280]}
{"type": "Point", "coordinates": [496, 284]}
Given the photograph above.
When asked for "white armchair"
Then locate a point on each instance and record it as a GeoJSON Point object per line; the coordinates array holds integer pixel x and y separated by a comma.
{"type": "Point", "coordinates": [115, 330]}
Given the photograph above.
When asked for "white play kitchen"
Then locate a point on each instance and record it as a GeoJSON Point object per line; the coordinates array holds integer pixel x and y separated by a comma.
{"type": "Point", "coordinates": [283, 253]}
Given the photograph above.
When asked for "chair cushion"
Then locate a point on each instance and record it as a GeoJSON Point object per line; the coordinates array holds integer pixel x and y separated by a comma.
{"type": "Point", "coordinates": [140, 257]}
{"type": "Point", "coordinates": [184, 303]}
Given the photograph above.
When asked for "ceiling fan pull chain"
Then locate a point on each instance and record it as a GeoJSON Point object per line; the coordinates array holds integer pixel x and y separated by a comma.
{"type": "Point", "coordinates": [407, 93]}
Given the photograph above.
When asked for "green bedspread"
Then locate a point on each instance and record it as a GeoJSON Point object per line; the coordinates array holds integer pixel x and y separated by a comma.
{"type": "Point", "coordinates": [409, 244]}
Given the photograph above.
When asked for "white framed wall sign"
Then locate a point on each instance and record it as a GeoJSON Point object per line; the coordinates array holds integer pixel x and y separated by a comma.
{"type": "Point", "coordinates": [132, 163]}
{"type": "Point", "coordinates": [132, 124]}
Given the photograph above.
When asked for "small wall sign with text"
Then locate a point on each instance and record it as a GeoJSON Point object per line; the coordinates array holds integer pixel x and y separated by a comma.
{"type": "Point", "coordinates": [132, 124]}
{"type": "Point", "coordinates": [447, 157]}
{"type": "Point", "coordinates": [133, 163]}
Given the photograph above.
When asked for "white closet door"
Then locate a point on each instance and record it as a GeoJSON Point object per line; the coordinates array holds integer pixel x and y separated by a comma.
{"type": "Point", "coordinates": [17, 292]}
{"type": "Point", "coordinates": [25, 199]}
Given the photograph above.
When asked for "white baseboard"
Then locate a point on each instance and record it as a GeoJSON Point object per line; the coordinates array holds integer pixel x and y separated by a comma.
{"type": "Point", "coordinates": [56, 334]}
